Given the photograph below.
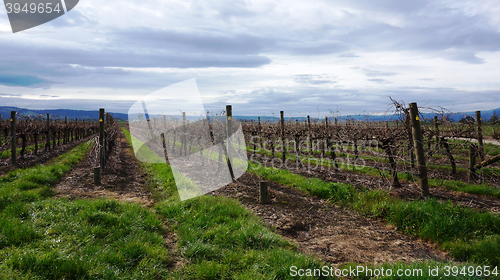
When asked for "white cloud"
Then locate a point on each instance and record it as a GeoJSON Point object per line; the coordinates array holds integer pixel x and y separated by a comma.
{"type": "Point", "coordinates": [272, 55]}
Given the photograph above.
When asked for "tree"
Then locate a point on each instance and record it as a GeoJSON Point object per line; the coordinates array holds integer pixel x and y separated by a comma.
{"type": "Point", "coordinates": [494, 119]}
{"type": "Point", "coordinates": [467, 120]}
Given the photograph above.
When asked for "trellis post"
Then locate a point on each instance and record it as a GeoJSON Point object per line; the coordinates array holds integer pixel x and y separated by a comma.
{"type": "Point", "coordinates": [419, 147]}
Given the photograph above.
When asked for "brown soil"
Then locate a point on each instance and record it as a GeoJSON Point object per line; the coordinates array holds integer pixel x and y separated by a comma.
{"type": "Point", "coordinates": [122, 178]}
{"type": "Point", "coordinates": [329, 231]}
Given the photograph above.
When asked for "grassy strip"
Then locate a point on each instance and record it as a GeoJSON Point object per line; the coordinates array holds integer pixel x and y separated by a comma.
{"type": "Point", "coordinates": [458, 186]}
{"type": "Point", "coordinates": [32, 184]}
{"type": "Point", "coordinates": [97, 239]}
{"type": "Point", "coordinates": [221, 239]}
{"type": "Point", "coordinates": [465, 233]}
{"type": "Point", "coordinates": [8, 153]}
{"type": "Point", "coordinates": [43, 238]}
{"type": "Point", "coordinates": [464, 187]}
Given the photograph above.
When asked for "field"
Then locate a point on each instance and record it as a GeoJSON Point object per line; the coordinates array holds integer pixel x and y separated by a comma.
{"type": "Point", "coordinates": [343, 195]}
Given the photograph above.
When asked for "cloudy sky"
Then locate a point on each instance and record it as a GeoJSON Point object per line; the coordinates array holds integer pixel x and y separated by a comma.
{"type": "Point", "coordinates": [304, 57]}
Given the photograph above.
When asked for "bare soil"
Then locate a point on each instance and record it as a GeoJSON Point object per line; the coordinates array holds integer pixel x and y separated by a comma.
{"type": "Point", "coordinates": [122, 179]}
{"type": "Point", "coordinates": [329, 231]}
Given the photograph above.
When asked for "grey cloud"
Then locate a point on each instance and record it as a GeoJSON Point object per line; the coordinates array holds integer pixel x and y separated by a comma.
{"type": "Point", "coordinates": [313, 79]}
{"type": "Point", "coordinates": [203, 41]}
{"type": "Point", "coordinates": [375, 73]}
{"type": "Point", "coordinates": [465, 56]}
{"type": "Point", "coordinates": [449, 34]}
{"type": "Point", "coordinates": [9, 95]}
{"type": "Point", "coordinates": [347, 55]}
{"type": "Point", "coordinates": [112, 56]}
{"type": "Point", "coordinates": [382, 81]}
{"type": "Point", "coordinates": [316, 48]}
{"type": "Point", "coordinates": [46, 95]}
{"type": "Point", "coordinates": [395, 6]}
{"type": "Point", "coordinates": [298, 101]}
{"type": "Point", "coordinates": [303, 99]}
{"type": "Point", "coordinates": [78, 104]}
{"type": "Point", "coordinates": [72, 19]}
{"type": "Point", "coordinates": [139, 59]}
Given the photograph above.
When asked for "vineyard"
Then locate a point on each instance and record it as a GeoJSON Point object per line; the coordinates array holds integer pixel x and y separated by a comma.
{"type": "Point", "coordinates": [385, 150]}
{"type": "Point", "coordinates": [422, 175]}
{"type": "Point", "coordinates": [404, 194]}
{"type": "Point", "coordinates": [26, 140]}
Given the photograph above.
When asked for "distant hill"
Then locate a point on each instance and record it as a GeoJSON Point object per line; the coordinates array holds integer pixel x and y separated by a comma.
{"type": "Point", "coordinates": [59, 113]}
{"type": "Point", "coordinates": [455, 117]}
{"type": "Point", "coordinates": [93, 115]}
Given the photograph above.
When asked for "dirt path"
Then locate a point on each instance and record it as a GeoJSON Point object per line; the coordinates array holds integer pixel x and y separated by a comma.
{"type": "Point", "coordinates": [329, 231]}
{"type": "Point", "coordinates": [122, 178]}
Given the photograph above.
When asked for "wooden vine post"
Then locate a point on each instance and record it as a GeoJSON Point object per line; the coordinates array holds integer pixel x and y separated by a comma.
{"type": "Point", "coordinates": [436, 128]}
{"type": "Point", "coordinates": [419, 147]}
{"type": "Point", "coordinates": [387, 147]}
{"type": "Point", "coordinates": [408, 125]}
{"type": "Point", "coordinates": [283, 135]}
{"type": "Point", "coordinates": [65, 132]}
{"type": "Point", "coordinates": [480, 135]}
{"type": "Point", "coordinates": [310, 134]}
{"type": "Point", "coordinates": [47, 144]}
{"type": "Point", "coordinates": [263, 192]}
{"type": "Point", "coordinates": [102, 154]}
{"type": "Point", "coordinates": [13, 139]}
{"type": "Point", "coordinates": [101, 151]}
{"type": "Point", "coordinates": [472, 161]}
{"type": "Point", "coordinates": [164, 146]}
{"type": "Point", "coordinates": [184, 131]}
{"type": "Point", "coordinates": [436, 136]}
{"type": "Point", "coordinates": [229, 128]}
{"type": "Point", "coordinates": [325, 142]}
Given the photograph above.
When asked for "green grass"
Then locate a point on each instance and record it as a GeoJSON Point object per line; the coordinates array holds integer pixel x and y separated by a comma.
{"type": "Point", "coordinates": [464, 187]}
{"type": "Point", "coordinates": [92, 239]}
{"type": "Point", "coordinates": [488, 129]}
{"type": "Point", "coordinates": [46, 238]}
{"type": "Point", "coordinates": [32, 184]}
{"type": "Point", "coordinates": [219, 238]}
{"type": "Point", "coordinates": [467, 234]}
{"type": "Point", "coordinates": [8, 153]}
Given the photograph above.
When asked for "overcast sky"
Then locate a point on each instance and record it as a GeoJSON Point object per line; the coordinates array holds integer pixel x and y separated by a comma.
{"type": "Point", "coordinates": [303, 57]}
